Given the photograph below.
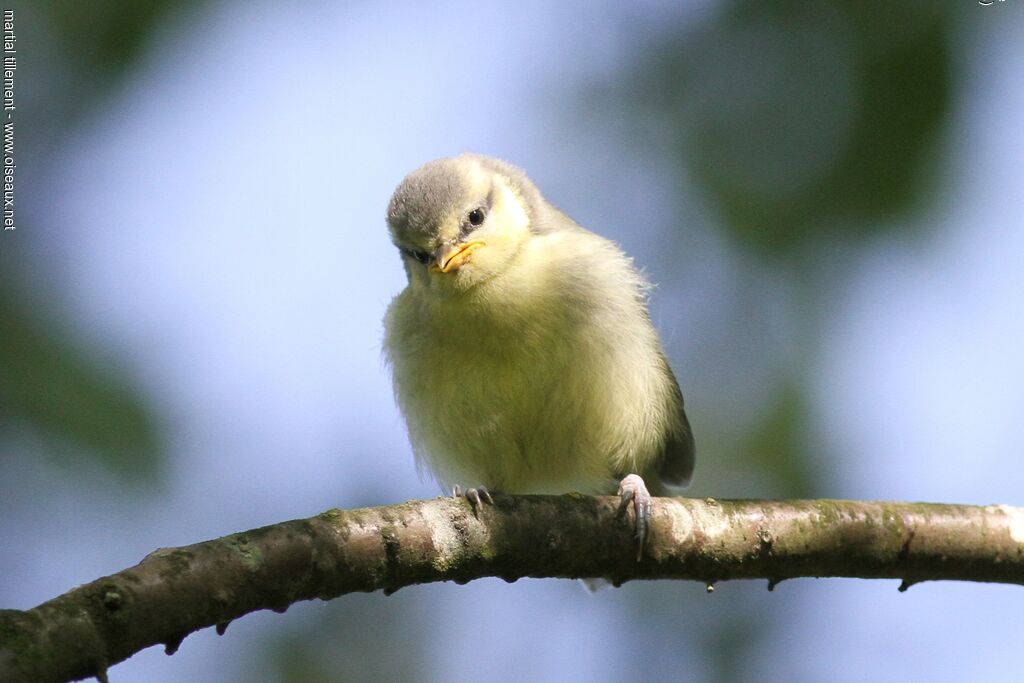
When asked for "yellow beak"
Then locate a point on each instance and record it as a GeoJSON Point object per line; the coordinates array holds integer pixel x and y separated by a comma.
{"type": "Point", "coordinates": [455, 256]}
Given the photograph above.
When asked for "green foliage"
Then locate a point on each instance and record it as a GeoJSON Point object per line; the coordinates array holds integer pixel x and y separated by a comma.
{"type": "Point", "coordinates": [778, 445]}
{"type": "Point", "coordinates": [48, 383]}
{"type": "Point", "coordinates": [105, 34]}
{"type": "Point", "coordinates": [803, 119]}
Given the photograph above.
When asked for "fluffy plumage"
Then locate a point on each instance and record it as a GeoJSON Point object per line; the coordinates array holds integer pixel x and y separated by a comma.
{"type": "Point", "coordinates": [527, 363]}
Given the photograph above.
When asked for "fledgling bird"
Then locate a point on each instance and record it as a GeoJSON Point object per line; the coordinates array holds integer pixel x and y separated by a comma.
{"type": "Point", "coordinates": [522, 353]}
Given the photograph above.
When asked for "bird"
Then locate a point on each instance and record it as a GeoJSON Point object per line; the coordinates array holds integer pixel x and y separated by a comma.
{"type": "Point", "coordinates": [522, 353]}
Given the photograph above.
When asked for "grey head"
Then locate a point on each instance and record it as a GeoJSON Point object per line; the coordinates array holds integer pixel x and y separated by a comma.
{"type": "Point", "coordinates": [447, 199]}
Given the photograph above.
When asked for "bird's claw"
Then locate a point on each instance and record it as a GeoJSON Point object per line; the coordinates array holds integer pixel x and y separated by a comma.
{"type": "Point", "coordinates": [632, 489]}
{"type": "Point", "coordinates": [477, 497]}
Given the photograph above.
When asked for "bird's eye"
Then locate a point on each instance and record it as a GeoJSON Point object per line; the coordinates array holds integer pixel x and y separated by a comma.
{"type": "Point", "coordinates": [421, 256]}
{"type": "Point", "coordinates": [476, 216]}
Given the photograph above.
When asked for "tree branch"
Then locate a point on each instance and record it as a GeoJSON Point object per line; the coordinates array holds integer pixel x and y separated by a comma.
{"type": "Point", "coordinates": [175, 591]}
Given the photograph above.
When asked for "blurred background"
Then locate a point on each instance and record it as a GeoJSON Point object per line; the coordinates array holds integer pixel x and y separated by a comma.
{"type": "Point", "coordinates": [827, 194]}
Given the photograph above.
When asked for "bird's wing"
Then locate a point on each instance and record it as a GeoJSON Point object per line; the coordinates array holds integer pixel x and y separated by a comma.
{"type": "Point", "coordinates": [680, 452]}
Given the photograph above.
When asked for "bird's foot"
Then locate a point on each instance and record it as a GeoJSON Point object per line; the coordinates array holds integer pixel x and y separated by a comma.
{"type": "Point", "coordinates": [476, 497]}
{"type": "Point", "coordinates": [632, 489]}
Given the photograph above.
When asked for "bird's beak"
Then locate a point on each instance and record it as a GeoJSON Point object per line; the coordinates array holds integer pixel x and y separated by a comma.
{"type": "Point", "coordinates": [453, 257]}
